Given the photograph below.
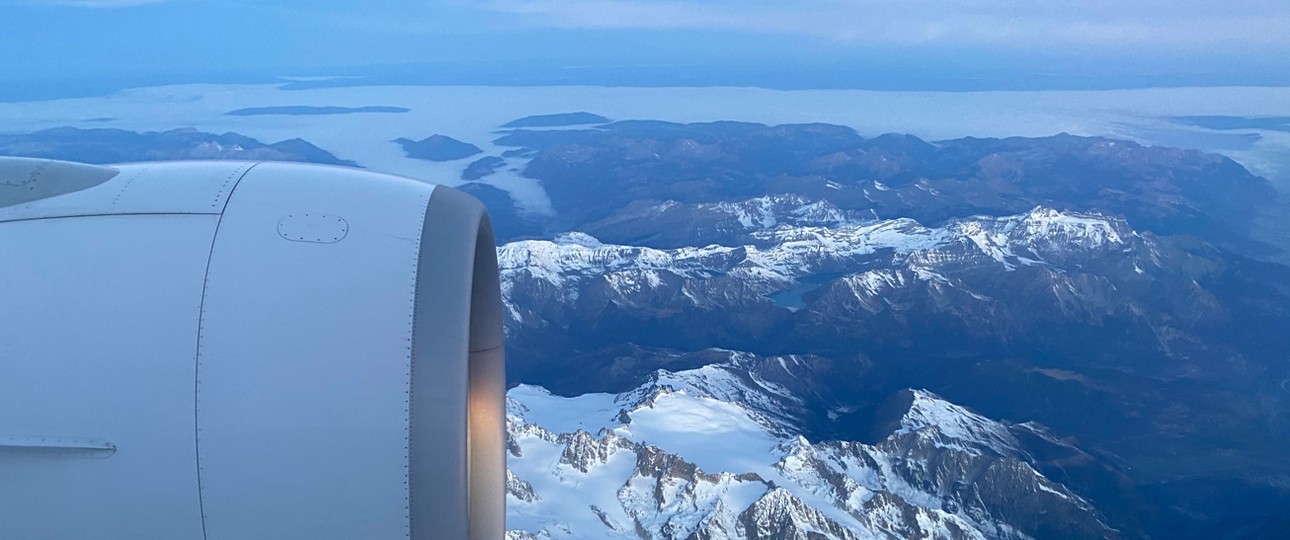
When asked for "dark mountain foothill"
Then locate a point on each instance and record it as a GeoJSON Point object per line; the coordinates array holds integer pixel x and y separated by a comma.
{"type": "Point", "coordinates": [308, 110]}
{"type": "Point", "coordinates": [482, 167]}
{"type": "Point", "coordinates": [557, 120]}
{"type": "Point", "coordinates": [593, 173]}
{"type": "Point", "coordinates": [438, 148]}
{"type": "Point", "coordinates": [121, 146]}
{"type": "Point", "coordinates": [1231, 123]}
{"type": "Point", "coordinates": [508, 221]}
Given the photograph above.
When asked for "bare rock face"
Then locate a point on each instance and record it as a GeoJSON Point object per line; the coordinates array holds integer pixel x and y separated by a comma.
{"type": "Point", "coordinates": [519, 489]}
{"type": "Point", "coordinates": [583, 452]}
{"type": "Point", "coordinates": [781, 516]}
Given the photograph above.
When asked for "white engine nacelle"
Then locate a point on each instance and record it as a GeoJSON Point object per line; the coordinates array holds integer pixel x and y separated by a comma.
{"type": "Point", "coordinates": [235, 351]}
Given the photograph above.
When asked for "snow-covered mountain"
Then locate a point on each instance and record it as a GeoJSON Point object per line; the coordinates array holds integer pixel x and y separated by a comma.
{"type": "Point", "coordinates": [674, 224]}
{"type": "Point", "coordinates": [713, 453]}
{"type": "Point", "coordinates": [1053, 315]}
{"type": "Point", "coordinates": [779, 253]}
{"type": "Point", "coordinates": [1046, 280]}
{"type": "Point", "coordinates": [1076, 263]}
{"type": "Point", "coordinates": [1002, 273]}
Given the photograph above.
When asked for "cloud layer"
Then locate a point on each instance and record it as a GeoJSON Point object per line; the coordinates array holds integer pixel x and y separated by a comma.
{"type": "Point", "coordinates": [1007, 22]}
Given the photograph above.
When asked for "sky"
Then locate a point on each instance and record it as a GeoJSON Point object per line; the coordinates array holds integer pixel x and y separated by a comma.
{"type": "Point", "coordinates": [77, 46]}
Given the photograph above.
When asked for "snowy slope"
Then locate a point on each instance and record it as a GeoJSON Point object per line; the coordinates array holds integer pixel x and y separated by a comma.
{"type": "Point", "coordinates": [704, 453]}
{"type": "Point", "coordinates": [542, 280]}
{"type": "Point", "coordinates": [784, 252]}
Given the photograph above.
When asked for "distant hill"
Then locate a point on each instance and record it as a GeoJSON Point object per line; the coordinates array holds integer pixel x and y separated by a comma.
{"type": "Point", "coordinates": [556, 120]}
{"type": "Point", "coordinates": [438, 148]}
{"type": "Point", "coordinates": [1230, 123]}
{"type": "Point", "coordinates": [593, 174]}
{"type": "Point", "coordinates": [120, 146]}
{"type": "Point", "coordinates": [306, 110]}
{"type": "Point", "coordinates": [482, 167]}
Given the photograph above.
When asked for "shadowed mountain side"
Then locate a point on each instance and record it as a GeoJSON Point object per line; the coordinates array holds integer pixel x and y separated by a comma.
{"type": "Point", "coordinates": [482, 167]}
{"type": "Point", "coordinates": [509, 223]}
{"type": "Point", "coordinates": [593, 174]}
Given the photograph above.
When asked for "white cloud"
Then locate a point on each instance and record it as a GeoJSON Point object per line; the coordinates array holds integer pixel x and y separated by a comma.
{"type": "Point", "coordinates": [1199, 23]}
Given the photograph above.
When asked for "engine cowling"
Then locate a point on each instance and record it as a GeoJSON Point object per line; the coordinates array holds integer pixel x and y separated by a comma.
{"type": "Point", "coordinates": [246, 350]}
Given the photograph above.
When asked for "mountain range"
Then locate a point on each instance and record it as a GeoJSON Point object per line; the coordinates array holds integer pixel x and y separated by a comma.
{"type": "Point", "coordinates": [733, 330]}
{"type": "Point", "coordinates": [1109, 293]}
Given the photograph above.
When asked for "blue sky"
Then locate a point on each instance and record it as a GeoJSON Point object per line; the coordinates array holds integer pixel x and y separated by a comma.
{"type": "Point", "coordinates": [905, 44]}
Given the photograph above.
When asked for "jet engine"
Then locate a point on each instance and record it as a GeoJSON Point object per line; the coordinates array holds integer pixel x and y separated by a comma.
{"type": "Point", "coordinates": [226, 350]}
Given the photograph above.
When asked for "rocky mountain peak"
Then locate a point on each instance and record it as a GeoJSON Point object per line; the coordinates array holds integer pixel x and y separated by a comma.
{"type": "Point", "coordinates": [928, 411]}
{"type": "Point", "coordinates": [582, 451]}
{"type": "Point", "coordinates": [779, 515]}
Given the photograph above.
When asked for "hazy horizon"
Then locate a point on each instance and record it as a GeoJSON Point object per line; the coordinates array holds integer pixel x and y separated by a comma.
{"type": "Point", "coordinates": [74, 48]}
